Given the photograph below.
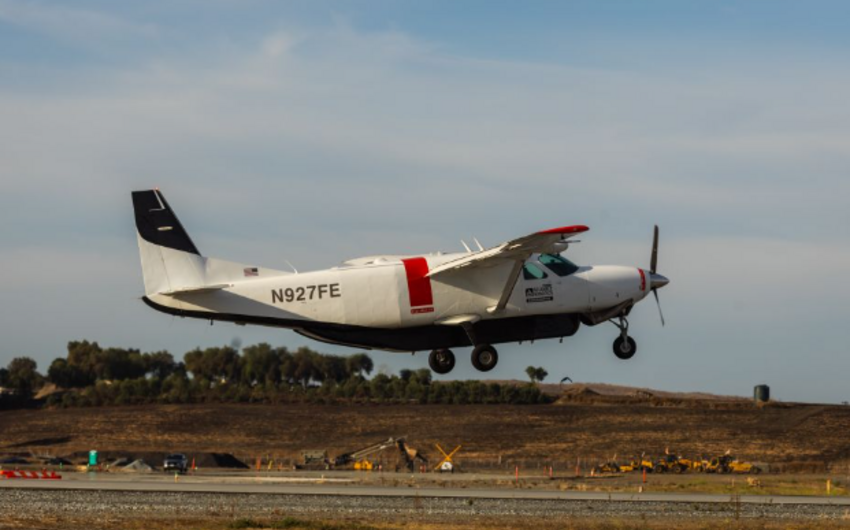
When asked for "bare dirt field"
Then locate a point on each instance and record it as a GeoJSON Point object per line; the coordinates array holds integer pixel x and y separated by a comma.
{"type": "Point", "coordinates": [580, 427]}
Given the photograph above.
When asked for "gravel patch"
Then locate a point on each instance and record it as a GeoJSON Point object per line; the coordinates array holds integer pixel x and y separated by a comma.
{"type": "Point", "coordinates": [50, 504]}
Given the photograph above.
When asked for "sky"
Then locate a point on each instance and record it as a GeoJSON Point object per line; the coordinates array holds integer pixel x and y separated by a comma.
{"type": "Point", "coordinates": [318, 131]}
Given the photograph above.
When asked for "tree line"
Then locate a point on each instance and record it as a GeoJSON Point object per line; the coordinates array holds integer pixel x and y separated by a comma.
{"type": "Point", "coordinates": [94, 376]}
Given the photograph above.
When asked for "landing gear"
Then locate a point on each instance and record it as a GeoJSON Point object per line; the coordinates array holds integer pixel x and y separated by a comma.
{"type": "Point", "coordinates": [441, 360]}
{"type": "Point", "coordinates": [624, 346]}
{"type": "Point", "coordinates": [484, 357]}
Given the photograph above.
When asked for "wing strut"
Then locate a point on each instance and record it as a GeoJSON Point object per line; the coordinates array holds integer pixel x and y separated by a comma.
{"type": "Point", "coordinates": [509, 286]}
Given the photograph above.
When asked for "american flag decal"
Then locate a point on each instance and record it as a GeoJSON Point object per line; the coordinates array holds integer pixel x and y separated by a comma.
{"type": "Point", "coordinates": [251, 271]}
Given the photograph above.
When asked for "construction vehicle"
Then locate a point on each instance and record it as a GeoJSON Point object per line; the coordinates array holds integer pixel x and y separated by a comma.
{"type": "Point", "coordinates": [743, 467]}
{"type": "Point", "coordinates": [608, 467]}
{"type": "Point", "coordinates": [640, 464]}
{"type": "Point", "coordinates": [719, 464]}
{"type": "Point", "coordinates": [361, 460]}
{"type": "Point", "coordinates": [671, 463]}
{"type": "Point", "coordinates": [363, 465]}
{"type": "Point", "coordinates": [410, 455]}
{"type": "Point", "coordinates": [358, 457]}
{"type": "Point", "coordinates": [314, 459]}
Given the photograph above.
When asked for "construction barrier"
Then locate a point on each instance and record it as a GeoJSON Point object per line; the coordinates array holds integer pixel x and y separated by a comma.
{"type": "Point", "coordinates": [52, 475]}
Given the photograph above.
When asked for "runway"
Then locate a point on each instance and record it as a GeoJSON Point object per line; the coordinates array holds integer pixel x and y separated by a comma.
{"type": "Point", "coordinates": [345, 488]}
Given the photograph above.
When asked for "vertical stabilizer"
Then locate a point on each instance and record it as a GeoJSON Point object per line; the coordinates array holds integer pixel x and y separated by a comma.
{"type": "Point", "coordinates": [170, 260]}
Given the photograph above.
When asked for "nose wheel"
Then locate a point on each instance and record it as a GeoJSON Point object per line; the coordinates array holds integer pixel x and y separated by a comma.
{"type": "Point", "coordinates": [441, 361]}
{"type": "Point", "coordinates": [625, 347]}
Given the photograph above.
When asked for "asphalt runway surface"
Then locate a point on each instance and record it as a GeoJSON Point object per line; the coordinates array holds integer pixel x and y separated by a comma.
{"type": "Point", "coordinates": [348, 488]}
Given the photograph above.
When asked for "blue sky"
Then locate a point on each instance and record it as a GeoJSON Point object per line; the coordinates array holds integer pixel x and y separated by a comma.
{"type": "Point", "coordinates": [319, 131]}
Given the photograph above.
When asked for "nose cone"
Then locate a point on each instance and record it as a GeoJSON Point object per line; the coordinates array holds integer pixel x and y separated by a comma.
{"type": "Point", "coordinates": [657, 281]}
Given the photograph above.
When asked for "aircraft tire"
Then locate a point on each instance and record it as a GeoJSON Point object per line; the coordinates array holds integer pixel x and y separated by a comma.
{"type": "Point", "coordinates": [484, 357]}
{"type": "Point", "coordinates": [441, 361]}
{"type": "Point", "coordinates": [625, 349]}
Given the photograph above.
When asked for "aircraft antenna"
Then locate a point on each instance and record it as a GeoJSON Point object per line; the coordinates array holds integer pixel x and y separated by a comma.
{"type": "Point", "coordinates": [465, 246]}
{"type": "Point", "coordinates": [478, 243]}
{"type": "Point", "coordinates": [291, 265]}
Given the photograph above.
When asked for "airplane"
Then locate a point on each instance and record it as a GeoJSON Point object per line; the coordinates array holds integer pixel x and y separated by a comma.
{"type": "Point", "coordinates": [521, 290]}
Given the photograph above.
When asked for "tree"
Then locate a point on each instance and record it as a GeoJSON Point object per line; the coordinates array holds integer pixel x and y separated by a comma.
{"type": "Point", "coordinates": [260, 365]}
{"type": "Point", "coordinates": [359, 363]}
{"type": "Point", "coordinates": [83, 355]}
{"type": "Point", "coordinates": [65, 375]}
{"type": "Point", "coordinates": [117, 364]}
{"type": "Point", "coordinates": [159, 364]}
{"type": "Point", "coordinates": [536, 374]}
{"type": "Point", "coordinates": [214, 364]}
{"type": "Point", "coordinates": [305, 362]}
{"type": "Point", "coordinates": [333, 367]}
{"type": "Point", "coordinates": [23, 376]}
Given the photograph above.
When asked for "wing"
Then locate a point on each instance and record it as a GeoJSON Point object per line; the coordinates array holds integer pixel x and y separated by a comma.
{"type": "Point", "coordinates": [516, 251]}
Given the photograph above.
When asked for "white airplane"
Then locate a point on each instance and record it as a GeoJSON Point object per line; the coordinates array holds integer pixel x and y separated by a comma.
{"type": "Point", "coordinates": [521, 290]}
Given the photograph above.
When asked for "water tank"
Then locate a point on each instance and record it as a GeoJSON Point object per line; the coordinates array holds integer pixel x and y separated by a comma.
{"type": "Point", "coordinates": [761, 394]}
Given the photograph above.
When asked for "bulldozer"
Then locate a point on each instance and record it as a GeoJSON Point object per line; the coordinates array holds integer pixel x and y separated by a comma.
{"type": "Point", "coordinates": [641, 464]}
{"type": "Point", "coordinates": [728, 464]}
{"type": "Point", "coordinates": [743, 467]}
{"type": "Point", "coordinates": [671, 463]}
{"type": "Point", "coordinates": [608, 467]}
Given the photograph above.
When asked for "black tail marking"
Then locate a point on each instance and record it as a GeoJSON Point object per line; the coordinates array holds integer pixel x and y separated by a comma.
{"type": "Point", "coordinates": [157, 224]}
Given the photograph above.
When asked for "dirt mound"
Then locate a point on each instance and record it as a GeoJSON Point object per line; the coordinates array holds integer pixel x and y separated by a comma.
{"type": "Point", "coordinates": [222, 460]}
{"type": "Point", "coordinates": [579, 390]}
{"type": "Point", "coordinates": [48, 390]}
{"type": "Point", "coordinates": [137, 466]}
{"type": "Point", "coordinates": [605, 389]}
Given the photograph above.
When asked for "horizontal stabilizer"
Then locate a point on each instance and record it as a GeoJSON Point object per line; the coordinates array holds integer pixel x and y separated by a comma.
{"type": "Point", "coordinates": [198, 290]}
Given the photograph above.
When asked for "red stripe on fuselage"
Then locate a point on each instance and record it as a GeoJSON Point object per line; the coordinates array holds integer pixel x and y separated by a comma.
{"type": "Point", "coordinates": [418, 283]}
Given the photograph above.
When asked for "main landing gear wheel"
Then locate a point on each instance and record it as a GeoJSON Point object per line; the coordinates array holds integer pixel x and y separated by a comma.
{"type": "Point", "coordinates": [625, 348]}
{"type": "Point", "coordinates": [484, 357]}
{"type": "Point", "coordinates": [441, 361]}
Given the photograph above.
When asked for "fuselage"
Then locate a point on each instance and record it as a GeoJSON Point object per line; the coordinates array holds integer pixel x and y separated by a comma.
{"type": "Point", "coordinates": [389, 302]}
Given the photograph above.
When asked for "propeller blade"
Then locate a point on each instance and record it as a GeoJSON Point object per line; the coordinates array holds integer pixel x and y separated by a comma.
{"type": "Point", "coordinates": [653, 263]}
{"type": "Point", "coordinates": [657, 301]}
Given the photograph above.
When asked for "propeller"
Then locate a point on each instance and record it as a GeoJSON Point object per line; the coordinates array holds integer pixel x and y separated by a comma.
{"type": "Point", "coordinates": [656, 281]}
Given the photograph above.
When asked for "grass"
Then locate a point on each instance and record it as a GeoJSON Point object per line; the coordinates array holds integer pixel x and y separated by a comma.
{"type": "Point", "coordinates": [297, 524]}
{"type": "Point", "coordinates": [768, 485]}
{"type": "Point", "coordinates": [403, 523]}
{"type": "Point", "coordinates": [550, 524]}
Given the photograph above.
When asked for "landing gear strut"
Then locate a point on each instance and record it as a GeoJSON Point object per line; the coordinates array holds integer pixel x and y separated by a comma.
{"type": "Point", "coordinates": [484, 357]}
{"type": "Point", "coordinates": [441, 360]}
{"type": "Point", "coordinates": [624, 346]}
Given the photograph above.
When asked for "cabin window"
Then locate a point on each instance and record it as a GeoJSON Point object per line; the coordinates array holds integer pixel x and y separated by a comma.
{"type": "Point", "coordinates": [531, 271]}
{"type": "Point", "coordinates": [558, 264]}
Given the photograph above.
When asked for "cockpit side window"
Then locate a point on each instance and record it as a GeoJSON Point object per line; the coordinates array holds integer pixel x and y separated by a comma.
{"type": "Point", "coordinates": [531, 271]}
{"type": "Point", "coordinates": [558, 264]}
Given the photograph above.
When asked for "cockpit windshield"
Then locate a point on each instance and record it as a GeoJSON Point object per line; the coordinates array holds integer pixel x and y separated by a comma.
{"type": "Point", "coordinates": [558, 264]}
{"type": "Point", "coordinates": [531, 271]}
